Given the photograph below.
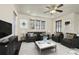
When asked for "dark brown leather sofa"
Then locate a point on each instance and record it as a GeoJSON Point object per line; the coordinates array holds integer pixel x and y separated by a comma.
{"type": "Point", "coordinates": [11, 47]}
{"type": "Point", "coordinates": [34, 36]}
{"type": "Point", "coordinates": [57, 37]}
{"type": "Point", "coordinates": [70, 40]}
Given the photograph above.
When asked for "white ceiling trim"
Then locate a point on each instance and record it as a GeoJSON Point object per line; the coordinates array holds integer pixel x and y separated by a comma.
{"type": "Point", "coordinates": [34, 15]}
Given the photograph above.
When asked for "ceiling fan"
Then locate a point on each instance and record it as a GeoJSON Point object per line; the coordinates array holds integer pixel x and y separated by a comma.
{"type": "Point", "coordinates": [54, 8]}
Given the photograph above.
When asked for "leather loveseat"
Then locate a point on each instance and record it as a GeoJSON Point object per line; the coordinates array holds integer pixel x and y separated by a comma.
{"type": "Point", "coordinates": [70, 40]}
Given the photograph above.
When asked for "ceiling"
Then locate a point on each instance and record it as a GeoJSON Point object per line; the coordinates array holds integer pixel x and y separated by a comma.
{"type": "Point", "coordinates": [39, 9]}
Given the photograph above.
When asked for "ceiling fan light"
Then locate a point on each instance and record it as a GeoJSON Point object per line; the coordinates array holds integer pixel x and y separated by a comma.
{"type": "Point", "coordinates": [53, 11]}
{"type": "Point", "coordinates": [55, 8]}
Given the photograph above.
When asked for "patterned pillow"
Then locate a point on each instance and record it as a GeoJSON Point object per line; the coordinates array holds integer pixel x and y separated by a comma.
{"type": "Point", "coordinates": [30, 34]}
{"type": "Point", "coordinates": [57, 34]}
{"type": "Point", "coordinates": [70, 36]}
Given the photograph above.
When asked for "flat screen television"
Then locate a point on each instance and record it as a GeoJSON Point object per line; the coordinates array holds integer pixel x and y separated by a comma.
{"type": "Point", "coordinates": [5, 29]}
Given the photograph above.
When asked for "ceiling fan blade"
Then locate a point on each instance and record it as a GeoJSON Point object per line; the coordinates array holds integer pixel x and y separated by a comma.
{"type": "Point", "coordinates": [60, 5]}
{"type": "Point", "coordinates": [53, 6]}
{"type": "Point", "coordinates": [48, 7]}
{"type": "Point", "coordinates": [46, 11]}
{"type": "Point", "coordinates": [59, 10]}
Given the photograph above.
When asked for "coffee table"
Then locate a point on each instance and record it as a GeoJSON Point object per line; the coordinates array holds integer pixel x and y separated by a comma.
{"type": "Point", "coordinates": [44, 45]}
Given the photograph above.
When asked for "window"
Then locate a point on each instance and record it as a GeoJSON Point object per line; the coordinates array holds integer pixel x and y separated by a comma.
{"type": "Point", "coordinates": [58, 26]}
{"type": "Point", "coordinates": [37, 24]}
{"type": "Point", "coordinates": [32, 24]}
{"type": "Point", "coordinates": [42, 24]}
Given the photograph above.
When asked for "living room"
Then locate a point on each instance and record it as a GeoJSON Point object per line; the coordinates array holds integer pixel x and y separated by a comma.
{"type": "Point", "coordinates": [32, 23]}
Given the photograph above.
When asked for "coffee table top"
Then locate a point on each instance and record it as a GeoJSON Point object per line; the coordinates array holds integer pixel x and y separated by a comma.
{"type": "Point", "coordinates": [45, 44]}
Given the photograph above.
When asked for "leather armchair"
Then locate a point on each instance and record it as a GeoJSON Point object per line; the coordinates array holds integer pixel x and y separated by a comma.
{"type": "Point", "coordinates": [57, 37]}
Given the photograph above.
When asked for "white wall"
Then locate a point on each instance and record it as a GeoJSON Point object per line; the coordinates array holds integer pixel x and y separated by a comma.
{"type": "Point", "coordinates": [49, 24]}
{"type": "Point", "coordinates": [6, 12]}
{"type": "Point", "coordinates": [76, 22]}
{"type": "Point", "coordinates": [66, 28]}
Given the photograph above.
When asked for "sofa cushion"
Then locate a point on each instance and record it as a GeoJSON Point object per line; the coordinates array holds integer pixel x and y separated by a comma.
{"type": "Point", "coordinates": [30, 34]}
{"type": "Point", "coordinates": [57, 34]}
{"type": "Point", "coordinates": [69, 36]}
